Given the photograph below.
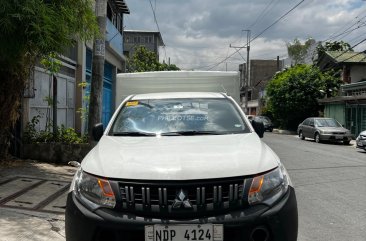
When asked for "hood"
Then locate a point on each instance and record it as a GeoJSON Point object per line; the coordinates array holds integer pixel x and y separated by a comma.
{"type": "Point", "coordinates": [179, 157]}
{"type": "Point", "coordinates": [363, 133]}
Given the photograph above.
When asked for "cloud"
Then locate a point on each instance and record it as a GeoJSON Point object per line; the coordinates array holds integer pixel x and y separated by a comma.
{"type": "Point", "coordinates": [197, 34]}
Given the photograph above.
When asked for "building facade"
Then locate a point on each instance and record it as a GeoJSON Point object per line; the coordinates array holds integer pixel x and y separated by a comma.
{"type": "Point", "coordinates": [349, 107]}
{"type": "Point", "coordinates": [152, 40]}
{"type": "Point", "coordinates": [73, 80]}
{"type": "Point", "coordinates": [261, 71]}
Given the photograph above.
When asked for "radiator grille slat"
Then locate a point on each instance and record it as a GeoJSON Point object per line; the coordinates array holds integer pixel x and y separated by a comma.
{"type": "Point", "coordinates": [156, 197]}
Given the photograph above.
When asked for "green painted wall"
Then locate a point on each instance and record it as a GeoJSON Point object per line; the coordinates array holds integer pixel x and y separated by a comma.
{"type": "Point", "coordinates": [336, 111]}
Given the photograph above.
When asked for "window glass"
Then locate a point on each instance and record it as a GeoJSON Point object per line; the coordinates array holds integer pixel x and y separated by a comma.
{"type": "Point", "coordinates": [327, 123]}
{"type": "Point", "coordinates": [179, 115]}
{"type": "Point", "coordinates": [311, 122]}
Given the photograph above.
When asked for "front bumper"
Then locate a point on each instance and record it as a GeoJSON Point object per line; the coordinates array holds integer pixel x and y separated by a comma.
{"type": "Point", "coordinates": [281, 221]}
{"type": "Point", "coordinates": [334, 137]}
{"type": "Point", "coordinates": [361, 144]}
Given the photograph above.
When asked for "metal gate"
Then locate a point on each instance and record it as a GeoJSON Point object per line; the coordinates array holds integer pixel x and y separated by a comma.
{"type": "Point", "coordinates": [356, 118]}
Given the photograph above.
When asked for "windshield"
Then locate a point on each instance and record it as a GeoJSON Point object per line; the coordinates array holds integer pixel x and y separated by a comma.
{"type": "Point", "coordinates": [327, 123]}
{"type": "Point", "coordinates": [178, 116]}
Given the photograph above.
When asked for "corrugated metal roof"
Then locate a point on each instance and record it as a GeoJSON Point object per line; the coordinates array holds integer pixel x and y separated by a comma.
{"type": "Point", "coordinates": [347, 57]}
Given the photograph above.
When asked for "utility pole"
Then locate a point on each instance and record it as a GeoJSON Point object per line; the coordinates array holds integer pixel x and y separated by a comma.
{"type": "Point", "coordinates": [248, 73]}
{"type": "Point", "coordinates": [247, 79]}
{"type": "Point", "coordinates": [96, 88]}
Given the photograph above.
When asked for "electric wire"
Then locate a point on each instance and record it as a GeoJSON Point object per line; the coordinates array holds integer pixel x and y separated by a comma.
{"type": "Point", "coordinates": [334, 35]}
{"type": "Point", "coordinates": [157, 25]}
{"type": "Point", "coordinates": [261, 33]}
{"type": "Point", "coordinates": [261, 14]}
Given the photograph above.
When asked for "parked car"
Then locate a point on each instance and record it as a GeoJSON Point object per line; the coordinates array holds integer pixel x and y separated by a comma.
{"type": "Point", "coordinates": [268, 126]}
{"type": "Point", "coordinates": [181, 166]}
{"type": "Point", "coordinates": [323, 129]}
{"type": "Point", "coordinates": [361, 140]}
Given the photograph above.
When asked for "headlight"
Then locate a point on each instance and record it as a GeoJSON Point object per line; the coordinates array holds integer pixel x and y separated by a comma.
{"type": "Point", "coordinates": [94, 191]}
{"type": "Point", "coordinates": [269, 187]}
{"type": "Point", "coordinates": [325, 132]}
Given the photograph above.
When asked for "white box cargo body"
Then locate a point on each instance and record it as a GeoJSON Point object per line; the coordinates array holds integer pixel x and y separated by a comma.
{"type": "Point", "coordinates": [177, 81]}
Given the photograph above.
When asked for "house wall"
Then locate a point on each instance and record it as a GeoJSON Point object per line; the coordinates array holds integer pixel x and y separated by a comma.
{"type": "Point", "coordinates": [336, 111]}
{"type": "Point", "coordinates": [149, 40]}
{"type": "Point", "coordinates": [358, 73]}
{"type": "Point", "coordinates": [261, 71]}
{"type": "Point", "coordinates": [41, 106]}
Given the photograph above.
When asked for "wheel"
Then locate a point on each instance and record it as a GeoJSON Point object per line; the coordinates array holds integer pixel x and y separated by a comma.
{"type": "Point", "coordinates": [346, 142]}
{"type": "Point", "coordinates": [317, 138]}
{"type": "Point", "coordinates": [270, 129]}
{"type": "Point", "coordinates": [302, 137]}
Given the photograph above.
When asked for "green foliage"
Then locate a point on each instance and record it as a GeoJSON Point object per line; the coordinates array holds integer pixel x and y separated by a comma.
{"type": "Point", "coordinates": [64, 135]}
{"type": "Point", "coordinates": [144, 60]}
{"type": "Point", "coordinates": [298, 51]}
{"type": "Point", "coordinates": [38, 27]}
{"type": "Point", "coordinates": [332, 46]}
{"type": "Point", "coordinates": [30, 30]}
{"type": "Point", "coordinates": [51, 63]}
{"type": "Point", "coordinates": [292, 95]}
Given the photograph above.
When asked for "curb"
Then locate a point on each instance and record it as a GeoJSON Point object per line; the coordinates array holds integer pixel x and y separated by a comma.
{"type": "Point", "coordinates": [284, 132]}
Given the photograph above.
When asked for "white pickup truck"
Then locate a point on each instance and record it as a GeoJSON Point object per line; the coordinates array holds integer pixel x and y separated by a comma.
{"type": "Point", "coordinates": [181, 166]}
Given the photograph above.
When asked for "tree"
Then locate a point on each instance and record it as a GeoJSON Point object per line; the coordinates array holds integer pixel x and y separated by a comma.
{"type": "Point", "coordinates": [30, 30]}
{"type": "Point", "coordinates": [333, 46]}
{"type": "Point", "coordinates": [144, 60]}
{"type": "Point", "coordinates": [298, 52]}
{"type": "Point", "coordinates": [292, 95]}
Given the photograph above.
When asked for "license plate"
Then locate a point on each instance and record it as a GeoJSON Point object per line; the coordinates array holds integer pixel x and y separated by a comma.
{"type": "Point", "coordinates": [184, 232]}
{"type": "Point", "coordinates": [339, 137]}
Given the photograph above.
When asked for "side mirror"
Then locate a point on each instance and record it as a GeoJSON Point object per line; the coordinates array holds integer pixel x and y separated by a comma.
{"type": "Point", "coordinates": [258, 127]}
{"type": "Point", "coordinates": [98, 131]}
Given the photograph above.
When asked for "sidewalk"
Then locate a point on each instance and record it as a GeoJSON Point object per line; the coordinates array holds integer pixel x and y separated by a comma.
{"type": "Point", "coordinates": [32, 200]}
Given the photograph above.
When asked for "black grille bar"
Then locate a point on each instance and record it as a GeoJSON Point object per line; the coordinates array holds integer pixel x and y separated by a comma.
{"type": "Point", "coordinates": [153, 198]}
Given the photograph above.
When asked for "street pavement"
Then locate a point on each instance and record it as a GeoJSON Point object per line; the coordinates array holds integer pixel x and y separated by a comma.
{"type": "Point", "coordinates": [32, 200]}
{"type": "Point", "coordinates": [329, 180]}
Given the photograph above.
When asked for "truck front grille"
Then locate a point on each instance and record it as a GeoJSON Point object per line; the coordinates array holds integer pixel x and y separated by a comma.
{"type": "Point", "coordinates": [174, 199]}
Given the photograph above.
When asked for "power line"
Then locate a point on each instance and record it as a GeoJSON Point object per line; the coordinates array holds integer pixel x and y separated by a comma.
{"type": "Point", "coordinates": [279, 19]}
{"type": "Point", "coordinates": [157, 25]}
{"type": "Point", "coordinates": [332, 35]}
{"type": "Point", "coordinates": [261, 14]}
{"type": "Point", "coordinates": [275, 22]}
{"type": "Point", "coordinates": [347, 32]}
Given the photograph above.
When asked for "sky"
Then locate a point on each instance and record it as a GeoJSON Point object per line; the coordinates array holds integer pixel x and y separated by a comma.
{"type": "Point", "coordinates": [198, 33]}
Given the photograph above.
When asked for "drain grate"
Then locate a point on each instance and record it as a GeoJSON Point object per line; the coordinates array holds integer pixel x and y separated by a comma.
{"type": "Point", "coordinates": [32, 193]}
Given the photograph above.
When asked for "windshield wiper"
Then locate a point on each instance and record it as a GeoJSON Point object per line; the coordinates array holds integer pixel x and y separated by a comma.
{"type": "Point", "coordinates": [190, 133]}
{"type": "Point", "coordinates": [133, 133]}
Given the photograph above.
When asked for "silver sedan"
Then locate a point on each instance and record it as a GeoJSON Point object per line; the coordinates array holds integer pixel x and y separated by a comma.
{"type": "Point", "coordinates": [361, 140]}
{"type": "Point", "coordinates": [324, 129]}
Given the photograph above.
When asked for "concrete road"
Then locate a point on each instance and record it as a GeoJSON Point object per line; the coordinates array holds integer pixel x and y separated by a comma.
{"type": "Point", "coordinates": [330, 182]}
{"type": "Point", "coordinates": [32, 200]}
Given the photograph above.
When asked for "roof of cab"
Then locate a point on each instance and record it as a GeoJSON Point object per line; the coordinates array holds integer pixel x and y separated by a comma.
{"type": "Point", "coordinates": [178, 95]}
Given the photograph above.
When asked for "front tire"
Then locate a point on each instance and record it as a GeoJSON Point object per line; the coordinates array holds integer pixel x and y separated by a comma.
{"type": "Point", "coordinates": [346, 142]}
{"type": "Point", "coordinates": [301, 136]}
{"type": "Point", "coordinates": [317, 138]}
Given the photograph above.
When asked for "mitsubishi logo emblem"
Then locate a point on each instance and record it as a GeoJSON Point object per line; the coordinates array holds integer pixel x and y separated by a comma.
{"type": "Point", "coordinates": [181, 201]}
